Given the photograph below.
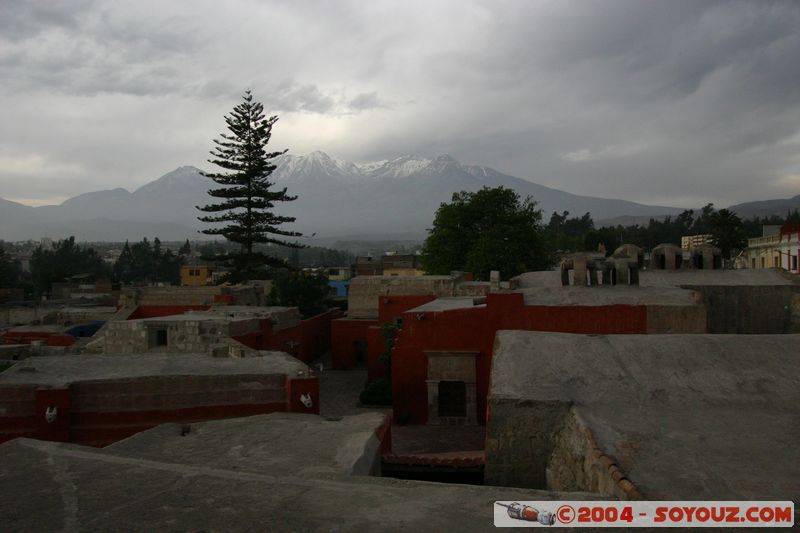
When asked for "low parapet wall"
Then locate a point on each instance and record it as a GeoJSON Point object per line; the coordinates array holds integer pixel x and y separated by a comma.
{"type": "Point", "coordinates": [109, 406]}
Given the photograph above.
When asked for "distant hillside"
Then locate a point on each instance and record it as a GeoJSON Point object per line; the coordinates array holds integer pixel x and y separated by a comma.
{"type": "Point", "coordinates": [336, 199]}
{"type": "Point", "coordinates": [767, 208]}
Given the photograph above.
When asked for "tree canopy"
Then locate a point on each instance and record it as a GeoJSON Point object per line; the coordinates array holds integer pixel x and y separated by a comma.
{"type": "Point", "coordinates": [490, 229]}
{"type": "Point", "coordinates": [727, 232]}
{"type": "Point", "coordinates": [245, 213]}
{"type": "Point", "coordinates": [10, 270]}
{"type": "Point", "coordinates": [63, 260]}
{"type": "Point", "coordinates": [308, 292]}
{"type": "Point", "coordinates": [147, 263]}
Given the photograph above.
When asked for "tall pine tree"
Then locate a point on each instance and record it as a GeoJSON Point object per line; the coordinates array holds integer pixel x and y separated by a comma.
{"type": "Point", "coordinates": [245, 215]}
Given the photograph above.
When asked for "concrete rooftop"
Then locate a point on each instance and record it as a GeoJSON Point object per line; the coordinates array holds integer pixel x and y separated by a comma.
{"type": "Point", "coordinates": [237, 483]}
{"type": "Point", "coordinates": [279, 444]}
{"type": "Point", "coordinates": [62, 370]}
{"type": "Point", "coordinates": [686, 416]}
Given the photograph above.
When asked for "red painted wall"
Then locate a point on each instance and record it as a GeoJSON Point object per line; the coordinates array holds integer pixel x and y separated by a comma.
{"type": "Point", "coordinates": [392, 307]}
{"type": "Point", "coordinates": [457, 330]}
{"type": "Point", "coordinates": [376, 345]}
{"type": "Point", "coordinates": [306, 341]}
{"type": "Point", "coordinates": [473, 329]}
{"type": "Point", "coordinates": [345, 332]}
{"type": "Point", "coordinates": [297, 387]}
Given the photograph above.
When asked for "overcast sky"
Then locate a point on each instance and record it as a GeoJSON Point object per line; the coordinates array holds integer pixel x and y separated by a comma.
{"type": "Point", "coordinates": [667, 102]}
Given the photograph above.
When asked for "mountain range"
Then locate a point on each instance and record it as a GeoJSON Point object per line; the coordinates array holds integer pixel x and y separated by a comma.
{"type": "Point", "coordinates": [336, 199]}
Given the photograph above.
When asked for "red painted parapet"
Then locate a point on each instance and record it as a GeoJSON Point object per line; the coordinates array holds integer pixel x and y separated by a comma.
{"type": "Point", "coordinates": [157, 311]}
{"type": "Point", "coordinates": [53, 414]}
{"type": "Point", "coordinates": [303, 393]}
{"type": "Point", "coordinates": [49, 338]}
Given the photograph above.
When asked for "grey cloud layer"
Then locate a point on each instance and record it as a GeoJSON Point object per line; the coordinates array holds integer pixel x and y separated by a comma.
{"type": "Point", "coordinates": [679, 102]}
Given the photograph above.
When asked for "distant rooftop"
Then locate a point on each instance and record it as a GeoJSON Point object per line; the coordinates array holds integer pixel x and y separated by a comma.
{"type": "Point", "coordinates": [677, 278]}
{"type": "Point", "coordinates": [62, 370]}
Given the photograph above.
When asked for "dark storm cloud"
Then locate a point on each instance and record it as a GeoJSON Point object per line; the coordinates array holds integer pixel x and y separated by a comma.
{"type": "Point", "coordinates": [366, 101]}
{"type": "Point", "coordinates": [678, 102]}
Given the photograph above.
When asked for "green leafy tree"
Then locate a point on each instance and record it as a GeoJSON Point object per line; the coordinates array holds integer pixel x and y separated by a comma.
{"type": "Point", "coordinates": [490, 229]}
{"type": "Point", "coordinates": [308, 292]}
{"type": "Point", "coordinates": [245, 213]}
{"type": "Point", "coordinates": [563, 233]}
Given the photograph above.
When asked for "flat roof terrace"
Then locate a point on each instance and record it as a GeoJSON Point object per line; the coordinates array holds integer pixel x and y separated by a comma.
{"type": "Point", "coordinates": [63, 370]}
{"type": "Point", "coordinates": [682, 416]}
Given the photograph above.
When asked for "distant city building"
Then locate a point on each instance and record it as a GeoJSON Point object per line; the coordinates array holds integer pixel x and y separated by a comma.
{"type": "Point", "coordinates": [775, 249]}
{"type": "Point", "coordinates": [401, 265]}
{"type": "Point", "coordinates": [690, 241]}
{"type": "Point", "coordinates": [197, 275]}
{"type": "Point", "coordinates": [339, 279]}
{"type": "Point", "coordinates": [368, 266]}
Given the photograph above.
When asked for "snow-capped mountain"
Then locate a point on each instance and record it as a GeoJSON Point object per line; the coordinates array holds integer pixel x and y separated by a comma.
{"type": "Point", "coordinates": [334, 198]}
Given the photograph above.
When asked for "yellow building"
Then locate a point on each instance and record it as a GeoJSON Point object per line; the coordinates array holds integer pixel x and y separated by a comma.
{"type": "Point", "coordinates": [197, 275]}
{"type": "Point", "coordinates": [780, 249]}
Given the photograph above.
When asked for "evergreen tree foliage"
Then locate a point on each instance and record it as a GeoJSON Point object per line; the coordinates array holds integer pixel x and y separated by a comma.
{"type": "Point", "coordinates": [245, 212]}
{"type": "Point", "coordinates": [63, 260]}
{"type": "Point", "coordinates": [147, 263]}
{"type": "Point", "coordinates": [186, 249]}
{"type": "Point", "coordinates": [490, 229]}
{"type": "Point", "coordinates": [10, 270]}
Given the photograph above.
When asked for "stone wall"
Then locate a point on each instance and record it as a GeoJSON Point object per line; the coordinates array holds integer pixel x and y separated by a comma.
{"type": "Point", "coordinates": [183, 336]}
{"type": "Point", "coordinates": [676, 319]}
{"type": "Point", "coordinates": [21, 315]}
{"type": "Point", "coordinates": [521, 437]}
{"type": "Point", "coordinates": [546, 445]}
{"type": "Point", "coordinates": [749, 310]}
{"type": "Point", "coordinates": [365, 291]}
{"type": "Point", "coordinates": [169, 296]}
{"type": "Point", "coordinates": [794, 319]}
{"type": "Point", "coordinates": [577, 464]}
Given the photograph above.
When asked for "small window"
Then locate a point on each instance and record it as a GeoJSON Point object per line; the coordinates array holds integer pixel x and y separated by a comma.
{"type": "Point", "coordinates": [161, 337]}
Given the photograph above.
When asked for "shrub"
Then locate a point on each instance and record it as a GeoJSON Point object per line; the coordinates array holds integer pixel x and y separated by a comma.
{"type": "Point", "coordinates": [379, 392]}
